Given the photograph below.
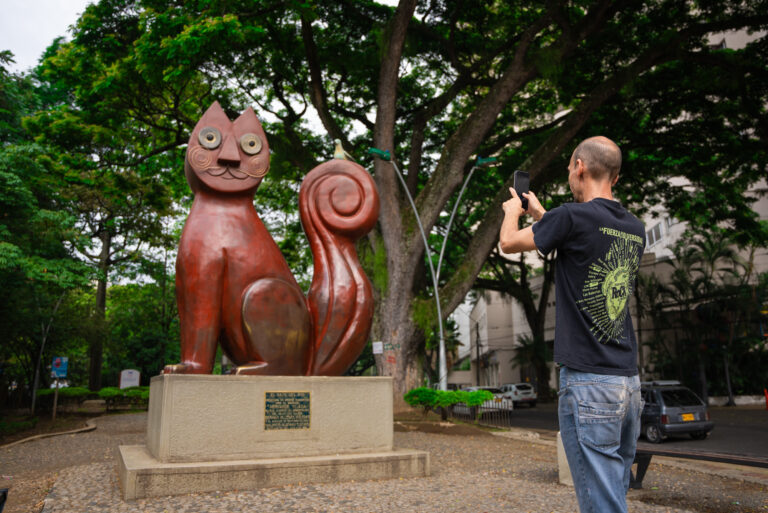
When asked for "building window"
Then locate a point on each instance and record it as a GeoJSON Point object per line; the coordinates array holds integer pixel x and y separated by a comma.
{"type": "Point", "coordinates": [653, 235]}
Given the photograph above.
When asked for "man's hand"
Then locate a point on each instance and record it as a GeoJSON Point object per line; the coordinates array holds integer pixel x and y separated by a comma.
{"type": "Point", "coordinates": [534, 207]}
{"type": "Point", "coordinates": [511, 238]}
{"type": "Point", "coordinates": [513, 205]}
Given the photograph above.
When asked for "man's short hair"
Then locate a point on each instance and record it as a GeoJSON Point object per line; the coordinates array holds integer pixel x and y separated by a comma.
{"type": "Point", "coordinates": [600, 155]}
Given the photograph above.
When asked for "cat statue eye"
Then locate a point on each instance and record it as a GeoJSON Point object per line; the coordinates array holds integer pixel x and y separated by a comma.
{"type": "Point", "coordinates": [250, 143]}
{"type": "Point", "coordinates": [209, 137]}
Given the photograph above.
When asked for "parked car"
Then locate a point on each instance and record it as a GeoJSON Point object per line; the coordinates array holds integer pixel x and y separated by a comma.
{"type": "Point", "coordinates": [499, 402]}
{"type": "Point", "coordinates": [520, 393]}
{"type": "Point", "coordinates": [672, 409]}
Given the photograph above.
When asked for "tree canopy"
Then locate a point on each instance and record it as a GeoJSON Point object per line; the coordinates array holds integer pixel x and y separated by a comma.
{"type": "Point", "coordinates": [436, 83]}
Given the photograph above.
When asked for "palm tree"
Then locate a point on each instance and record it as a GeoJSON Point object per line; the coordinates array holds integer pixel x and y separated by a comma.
{"type": "Point", "coordinates": [534, 351]}
{"type": "Point", "coordinates": [683, 291]}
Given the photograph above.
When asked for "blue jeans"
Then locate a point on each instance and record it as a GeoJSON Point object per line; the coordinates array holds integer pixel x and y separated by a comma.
{"type": "Point", "coordinates": [599, 424]}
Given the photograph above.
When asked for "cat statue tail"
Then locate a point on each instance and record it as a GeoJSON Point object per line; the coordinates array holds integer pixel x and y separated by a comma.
{"type": "Point", "coordinates": [339, 203]}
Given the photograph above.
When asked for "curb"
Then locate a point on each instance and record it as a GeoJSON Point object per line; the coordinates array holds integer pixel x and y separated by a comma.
{"type": "Point", "coordinates": [724, 470]}
{"type": "Point", "coordinates": [89, 426]}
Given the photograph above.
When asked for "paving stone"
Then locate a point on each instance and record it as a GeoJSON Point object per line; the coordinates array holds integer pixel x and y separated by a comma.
{"type": "Point", "coordinates": [470, 474]}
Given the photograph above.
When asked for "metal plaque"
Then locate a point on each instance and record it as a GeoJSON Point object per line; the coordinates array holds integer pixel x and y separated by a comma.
{"type": "Point", "coordinates": [286, 410]}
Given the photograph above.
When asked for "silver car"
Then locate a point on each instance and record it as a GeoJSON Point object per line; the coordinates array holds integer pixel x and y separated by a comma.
{"type": "Point", "coordinates": [520, 393]}
{"type": "Point", "coordinates": [672, 409]}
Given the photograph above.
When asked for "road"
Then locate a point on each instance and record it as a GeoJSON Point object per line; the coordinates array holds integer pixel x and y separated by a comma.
{"type": "Point", "coordinates": [738, 430]}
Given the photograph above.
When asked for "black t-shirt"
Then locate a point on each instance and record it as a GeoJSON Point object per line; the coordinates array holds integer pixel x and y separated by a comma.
{"type": "Point", "coordinates": [599, 245]}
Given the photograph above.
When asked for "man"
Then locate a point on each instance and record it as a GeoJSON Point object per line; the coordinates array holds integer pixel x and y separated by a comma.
{"type": "Point", "coordinates": [599, 245]}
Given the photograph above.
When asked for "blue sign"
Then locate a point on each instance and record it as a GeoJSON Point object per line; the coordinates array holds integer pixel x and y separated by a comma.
{"type": "Point", "coordinates": [59, 367]}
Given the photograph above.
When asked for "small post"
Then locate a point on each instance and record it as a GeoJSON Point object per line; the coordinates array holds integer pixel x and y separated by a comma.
{"type": "Point", "coordinates": [55, 399]}
{"type": "Point", "coordinates": [765, 391]}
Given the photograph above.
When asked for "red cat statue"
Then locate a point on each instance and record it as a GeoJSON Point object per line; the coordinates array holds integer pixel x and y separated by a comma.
{"type": "Point", "coordinates": [233, 286]}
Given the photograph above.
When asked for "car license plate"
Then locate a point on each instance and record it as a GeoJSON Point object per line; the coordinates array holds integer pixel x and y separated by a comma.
{"type": "Point", "coordinates": [687, 417]}
{"type": "Point", "coordinates": [497, 399]}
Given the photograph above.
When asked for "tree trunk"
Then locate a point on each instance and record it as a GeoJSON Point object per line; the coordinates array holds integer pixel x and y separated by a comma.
{"type": "Point", "coordinates": [703, 379]}
{"type": "Point", "coordinates": [402, 242]}
{"type": "Point", "coordinates": [96, 344]}
{"type": "Point", "coordinates": [44, 330]}
{"type": "Point", "coordinates": [542, 378]}
{"type": "Point", "coordinates": [397, 360]}
{"type": "Point", "coordinates": [395, 326]}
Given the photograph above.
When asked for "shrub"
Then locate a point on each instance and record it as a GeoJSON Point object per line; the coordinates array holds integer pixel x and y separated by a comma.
{"type": "Point", "coordinates": [421, 397]}
{"type": "Point", "coordinates": [107, 393]}
{"type": "Point", "coordinates": [429, 399]}
{"type": "Point", "coordinates": [478, 397]}
{"type": "Point", "coordinates": [9, 427]}
{"type": "Point", "coordinates": [446, 398]}
{"type": "Point", "coordinates": [80, 392]}
{"type": "Point", "coordinates": [117, 397]}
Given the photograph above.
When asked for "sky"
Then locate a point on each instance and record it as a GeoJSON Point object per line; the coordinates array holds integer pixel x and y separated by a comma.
{"type": "Point", "coordinates": [27, 27]}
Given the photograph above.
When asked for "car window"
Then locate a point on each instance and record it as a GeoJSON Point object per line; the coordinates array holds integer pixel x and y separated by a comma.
{"type": "Point", "coordinates": [493, 390]}
{"type": "Point", "coordinates": [680, 397]}
{"type": "Point", "coordinates": [524, 386]}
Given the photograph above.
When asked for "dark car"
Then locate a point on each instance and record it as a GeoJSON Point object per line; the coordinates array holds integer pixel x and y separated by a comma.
{"type": "Point", "coordinates": [672, 409]}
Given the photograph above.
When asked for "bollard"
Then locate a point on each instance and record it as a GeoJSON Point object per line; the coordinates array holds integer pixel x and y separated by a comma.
{"type": "Point", "coordinates": [765, 391]}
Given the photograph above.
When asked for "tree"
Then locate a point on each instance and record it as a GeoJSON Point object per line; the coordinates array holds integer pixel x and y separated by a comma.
{"type": "Point", "coordinates": [38, 240]}
{"type": "Point", "coordinates": [143, 329]}
{"type": "Point", "coordinates": [453, 80]}
{"type": "Point", "coordinates": [98, 143]}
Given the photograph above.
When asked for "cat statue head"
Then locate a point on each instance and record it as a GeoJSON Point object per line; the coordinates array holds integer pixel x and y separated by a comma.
{"type": "Point", "coordinates": [227, 156]}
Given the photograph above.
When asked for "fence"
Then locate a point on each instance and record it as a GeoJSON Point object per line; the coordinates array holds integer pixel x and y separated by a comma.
{"type": "Point", "coordinates": [497, 412]}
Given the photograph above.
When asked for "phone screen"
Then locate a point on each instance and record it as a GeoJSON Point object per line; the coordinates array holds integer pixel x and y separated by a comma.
{"type": "Point", "coordinates": [521, 184]}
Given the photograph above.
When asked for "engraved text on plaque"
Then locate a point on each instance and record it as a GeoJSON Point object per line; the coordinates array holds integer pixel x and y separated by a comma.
{"type": "Point", "coordinates": [286, 410]}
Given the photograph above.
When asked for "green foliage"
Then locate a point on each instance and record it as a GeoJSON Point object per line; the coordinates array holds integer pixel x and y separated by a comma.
{"type": "Point", "coordinates": [111, 110]}
{"type": "Point", "coordinates": [143, 328]}
{"type": "Point", "coordinates": [446, 398]}
{"type": "Point", "coordinates": [424, 313]}
{"type": "Point", "coordinates": [73, 392]}
{"type": "Point", "coordinates": [707, 317]}
{"type": "Point", "coordinates": [374, 262]}
{"type": "Point", "coordinates": [477, 397]}
{"type": "Point", "coordinates": [421, 397]}
{"type": "Point", "coordinates": [131, 393]}
{"type": "Point", "coordinates": [9, 427]}
{"type": "Point", "coordinates": [428, 398]}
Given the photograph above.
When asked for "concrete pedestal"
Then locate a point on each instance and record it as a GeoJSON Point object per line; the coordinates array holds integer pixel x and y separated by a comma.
{"type": "Point", "coordinates": [207, 433]}
{"type": "Point", "coordinates": [563, 470]}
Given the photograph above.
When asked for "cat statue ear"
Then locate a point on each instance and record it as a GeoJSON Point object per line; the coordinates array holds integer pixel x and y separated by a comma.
{"type": "Point", "coordinates": [225, 156]}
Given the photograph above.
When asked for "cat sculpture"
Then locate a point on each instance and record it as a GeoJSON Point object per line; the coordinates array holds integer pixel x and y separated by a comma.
{"type": "Point", "coordinates": [233, 285]}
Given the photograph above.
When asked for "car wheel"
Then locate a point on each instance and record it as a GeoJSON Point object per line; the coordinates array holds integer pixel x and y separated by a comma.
{"type": "Point", "coordinates": [699, 435]}
{"type": "Point", "coordinates": [653, 434]}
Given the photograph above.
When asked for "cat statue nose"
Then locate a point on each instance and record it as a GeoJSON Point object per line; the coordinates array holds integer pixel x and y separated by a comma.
{"type": "Point", "coordinates": [229, 153]}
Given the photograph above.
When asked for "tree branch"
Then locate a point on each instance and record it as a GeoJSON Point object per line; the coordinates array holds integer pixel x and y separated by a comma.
{"type": "Point", "coordinates": [383, 133]}
{"type": "Point", "coordinates": [487, 233]}
{"type": "Point", "coordinates": [317, 91]}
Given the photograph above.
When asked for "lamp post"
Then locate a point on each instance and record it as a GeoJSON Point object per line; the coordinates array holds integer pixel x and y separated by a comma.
{"type": "Point", "coordinates": [481, 162]}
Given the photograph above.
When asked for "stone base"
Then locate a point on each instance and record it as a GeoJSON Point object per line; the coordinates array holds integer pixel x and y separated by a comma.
{"type": "Point", "coordinates": [142, 476]}
{"type": "Point", "coordinates": [226, 418]}
{"type": "Point", "coordinates": [207, 433]}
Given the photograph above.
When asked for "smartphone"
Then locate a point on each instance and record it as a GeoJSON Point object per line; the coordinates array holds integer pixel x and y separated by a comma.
{"type": "Point", "coordinates": [521, 184]}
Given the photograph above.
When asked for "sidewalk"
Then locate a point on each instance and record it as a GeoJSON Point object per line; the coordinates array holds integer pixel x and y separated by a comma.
{"type": "Point", "coordinates": [471, 472]}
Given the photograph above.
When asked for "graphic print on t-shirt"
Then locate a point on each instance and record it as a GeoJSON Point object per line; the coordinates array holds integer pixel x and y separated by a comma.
{"type": "Point", "coordinates": [609, 283]}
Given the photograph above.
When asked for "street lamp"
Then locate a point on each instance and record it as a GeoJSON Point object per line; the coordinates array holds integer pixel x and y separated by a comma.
{"type": "Point", "coordinates": [480, 162]}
